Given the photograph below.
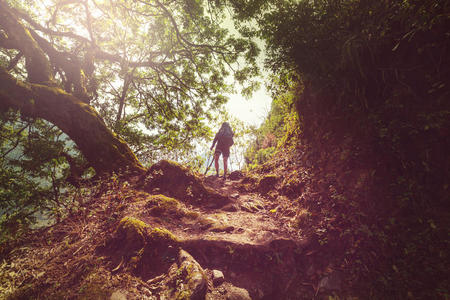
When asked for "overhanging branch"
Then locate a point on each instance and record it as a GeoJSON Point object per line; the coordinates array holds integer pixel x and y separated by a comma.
{"type": "Point", "coordinates": [101, 147]}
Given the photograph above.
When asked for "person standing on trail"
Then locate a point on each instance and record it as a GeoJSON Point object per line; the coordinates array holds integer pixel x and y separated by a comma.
{"type": "Point", "coordinates": [224, 139]}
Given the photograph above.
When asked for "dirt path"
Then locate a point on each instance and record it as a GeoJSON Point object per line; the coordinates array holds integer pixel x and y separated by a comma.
{"type": "Point", "coordinates": [243, 238]}
{"type": "Point", "coordinates": [247, 219]}
{"type": "Point", "coordinates": [245, 241]}
{"type": "Point", "coordinates": [141, 241]}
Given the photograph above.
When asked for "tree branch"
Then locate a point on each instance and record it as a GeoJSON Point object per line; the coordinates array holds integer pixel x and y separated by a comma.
{"type": "Point", "coordinates": [37, 65]}
{"type": "Point", "coordinates": [100, 146]}
{"type": "Point", "coordinates": [128, 79]}
{"type": "Point", "coordinates": [13, 63]}
{"type": "Point", "coordinates": [16, 143]}
{"type": "Point", "coordinates": [180, 37]}
{"type": "Point", "coordinates": [89, 21]}
{"type": "Point", "coordinates": [71, 67]}
{"type": "Point", "coordinates": [48, 31]}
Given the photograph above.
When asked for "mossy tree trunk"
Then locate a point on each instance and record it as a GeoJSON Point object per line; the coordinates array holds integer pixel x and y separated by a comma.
{"type": "Point", "coordinates": [40, 97]}
{"type": "Point", "coordinates": [101, 147]}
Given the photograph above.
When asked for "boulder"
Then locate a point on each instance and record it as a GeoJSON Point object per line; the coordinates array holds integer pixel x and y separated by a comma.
{"type": "Point", "coordinates": [217, 277]}
{"type": "Point", "coordinates": [236, 293]}
{"type": "Point", "coordinates": [186, 279]}
{"type": "Point", "coordinates": [160, 205]}
{"type": "Point", "coordinates": [138, 247]}
{"type": "Point", "coordinates": [130, 236]}
{"type": "Point", "coordinates": [174, 180]}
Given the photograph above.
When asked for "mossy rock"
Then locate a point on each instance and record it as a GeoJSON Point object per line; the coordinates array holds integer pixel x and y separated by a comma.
{"type": "Point", "coordinates": [159, 253]}
{"type": "Point", "coordinates": [140, 233]}
{"type": "Point", "coordinates": [127, 243]}
{"type": "Point", "coordinates": [167, 207]}
{"type": "Point", "coordinates": [162, 236]}
{"type": "Point", "coordinates": [141, 249]}
{"type": "Point", "coordinates": [131, 233]}
{"type": "Point", "coordinates": [159, 205]}
{"type": "Point", "coordinates": [177, 181]}
{"type": "Point", "coordinates": [187, 279]}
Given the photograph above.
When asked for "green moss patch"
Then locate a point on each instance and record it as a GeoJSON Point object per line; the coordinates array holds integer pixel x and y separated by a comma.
{"type": "Point", "coordinates": [169, 208]}
{"type": "Point", "coordinates": [162, 236]}
{"type": "Point", "coordinates": [141, 249]}
{"type": "Point", "coordinates": [157, 255]}
{"type": "Point", "coordinates": [174, 180]}
{"type": "Point", "coordinates": [158, 205]}
{"type": "Point", "coordinates": [132, 232]}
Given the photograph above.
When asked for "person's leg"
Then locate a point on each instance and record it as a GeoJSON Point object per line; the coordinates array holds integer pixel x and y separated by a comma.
{"type": "Point", "coordinates": [216, 162]}
{"type": "Point", "coordinates": [225, 154]}
{"type": "Point", "coordinates": [225, 166]}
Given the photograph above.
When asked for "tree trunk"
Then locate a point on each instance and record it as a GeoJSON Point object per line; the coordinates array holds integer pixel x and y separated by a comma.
{"type": "Point", "coordinates": [40, 98]}
{"type": "Point", "coordinates": [104, 150]}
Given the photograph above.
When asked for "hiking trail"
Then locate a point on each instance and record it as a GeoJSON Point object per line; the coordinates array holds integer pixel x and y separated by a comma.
{"type": "Point", "coordinates": [168, 234]}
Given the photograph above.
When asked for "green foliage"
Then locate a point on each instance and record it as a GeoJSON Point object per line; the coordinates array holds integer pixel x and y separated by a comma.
{"type": "Point", "coordinates": [32, 173]}
{"type": "Point", "coordinates": [280, 125]}
{"type": "Point", "coordinates": [375, 74]}
{"type": "Point", "coordinates": [258, 157]}
{"type": "Point", "coordinates": [155, 72]}
{"type": "Point", "coordinates": [359, 47]}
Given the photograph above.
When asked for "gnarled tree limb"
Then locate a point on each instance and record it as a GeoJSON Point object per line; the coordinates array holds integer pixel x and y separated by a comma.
{"type": "Point", "coordinates": [37, 65]}
{"type": "Point", "coordinates": [104, 150]}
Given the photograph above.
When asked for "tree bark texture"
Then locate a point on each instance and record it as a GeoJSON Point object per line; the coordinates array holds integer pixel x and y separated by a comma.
{"type": "Point", "coordinates": [18, 37]}
{"type": "Point", "coordinates": [104, 150]}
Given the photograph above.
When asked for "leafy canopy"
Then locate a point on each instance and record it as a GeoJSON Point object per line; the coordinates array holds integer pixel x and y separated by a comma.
{"type": "Point", "coordinates": [156, 72]}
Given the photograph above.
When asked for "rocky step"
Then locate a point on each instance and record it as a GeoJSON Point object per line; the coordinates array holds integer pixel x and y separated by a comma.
{"type": "Point", "coordinates": [188, 222]}
{"type": "Point", "coordinates": [264, 270]}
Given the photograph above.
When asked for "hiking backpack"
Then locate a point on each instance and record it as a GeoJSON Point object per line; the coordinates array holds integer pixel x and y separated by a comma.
{"type": "Point", "coordinates": [226, 136]}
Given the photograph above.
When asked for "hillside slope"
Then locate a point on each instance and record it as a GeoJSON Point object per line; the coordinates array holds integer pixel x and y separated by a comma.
{"type": "Point", "coordinates": [168, 234]}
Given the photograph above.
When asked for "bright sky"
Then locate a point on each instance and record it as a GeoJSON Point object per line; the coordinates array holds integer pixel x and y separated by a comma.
{"type": "Point", "coordinates": [251, 111]}
{"type": "Point", "coordinates": [254, 110]}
